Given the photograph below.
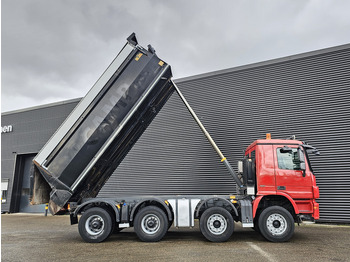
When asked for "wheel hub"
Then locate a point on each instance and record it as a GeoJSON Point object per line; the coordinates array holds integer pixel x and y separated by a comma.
{"type": "Point", "coordinates": [276, 224]}
{"type": "Point", "coordinates": [217, 224]}
{"type": "Point", "coordinates": [150, 224]}
{"type": "Point", "coordinates": [94, 225]}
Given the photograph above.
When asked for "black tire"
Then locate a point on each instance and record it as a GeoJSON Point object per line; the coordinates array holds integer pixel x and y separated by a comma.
{"type": "Point", "coordinates": [216, 224]}
{"type": "Point", "coordinates": [256, 224]}
{"type": "Point", "coordinates": [276, 224]}
{"type": "Point", "coordinates": [95, 225]}
{"type": "Point", "coordinates": [113, 221]}
{"type": "Point", "coordinates": [150, 224]}
{"type": "Point", "coordinates": [170, 223]}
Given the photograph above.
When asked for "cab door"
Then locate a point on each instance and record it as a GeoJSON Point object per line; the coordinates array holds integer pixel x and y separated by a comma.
{"type": "Point", "coordinates": [290, 178]}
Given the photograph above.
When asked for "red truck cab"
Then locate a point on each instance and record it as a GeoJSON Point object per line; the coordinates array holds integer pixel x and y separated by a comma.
{"type": "Point", "coordinates": [284, 177]}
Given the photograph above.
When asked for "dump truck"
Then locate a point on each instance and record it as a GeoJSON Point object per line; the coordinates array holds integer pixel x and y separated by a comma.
{"type": "Point", "coordinates": [276, 187]}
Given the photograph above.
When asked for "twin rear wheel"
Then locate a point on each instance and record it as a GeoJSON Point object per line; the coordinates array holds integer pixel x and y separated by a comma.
{"type": "Point", "coordinates": [97, 224]}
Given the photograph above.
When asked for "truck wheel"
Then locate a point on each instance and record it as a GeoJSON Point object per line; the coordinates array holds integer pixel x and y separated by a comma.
{"type": "Point", "coordinates": [151, 224]}
{"type": "Point", "coordinates": [216, 224]}
{"type": "Point", "coordinates": [276, 224]}
{"type": "Point", "coordinates": [95, 225]}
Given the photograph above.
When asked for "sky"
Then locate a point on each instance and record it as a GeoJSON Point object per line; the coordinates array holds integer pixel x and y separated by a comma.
{"type": "Point", "coordinates": [55, 50]}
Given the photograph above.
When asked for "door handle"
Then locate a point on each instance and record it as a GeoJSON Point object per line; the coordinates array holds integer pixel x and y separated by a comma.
{"type": "Point", "coordinates": [281, 188]}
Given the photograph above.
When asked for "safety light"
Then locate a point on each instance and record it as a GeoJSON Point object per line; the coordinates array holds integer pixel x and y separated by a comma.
{"type": "Point", "coordinates": [268, 136]}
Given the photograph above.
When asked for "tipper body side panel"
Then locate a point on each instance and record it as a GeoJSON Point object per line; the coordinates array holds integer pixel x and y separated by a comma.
{"type": "Point", "coordinates": [83, 153]}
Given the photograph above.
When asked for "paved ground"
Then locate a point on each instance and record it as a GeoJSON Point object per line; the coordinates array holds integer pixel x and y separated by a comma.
{"type": "Point", "coordinates": [38, 238]}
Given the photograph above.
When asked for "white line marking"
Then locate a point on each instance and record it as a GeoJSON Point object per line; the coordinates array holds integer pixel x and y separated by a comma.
{"type": "Point", "coordinates": [262, 252]}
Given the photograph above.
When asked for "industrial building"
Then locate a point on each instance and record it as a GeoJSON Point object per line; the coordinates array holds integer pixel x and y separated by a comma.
{"type": "Point", "coordinates": [306, 95]}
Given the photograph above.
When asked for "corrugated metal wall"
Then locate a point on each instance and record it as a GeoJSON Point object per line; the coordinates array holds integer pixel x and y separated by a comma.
{"type": "Point", "coordinates": [306, 95]}
{"type": "Point", "coordinates": [31, 130]}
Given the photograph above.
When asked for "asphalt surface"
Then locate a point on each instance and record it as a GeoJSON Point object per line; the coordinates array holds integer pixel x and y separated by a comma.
{"type": "Point", "coordinates": [37, 238]}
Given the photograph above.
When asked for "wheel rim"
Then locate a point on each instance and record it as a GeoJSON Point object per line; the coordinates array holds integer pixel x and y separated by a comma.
{"type": "Point", "coordinates": [217, 224]}
{"type": "Point", "coordinates": [150, 224]}
{"type": "Point", "coordinates": [94, 225]}
{"type": "Point", "coordinates": [276, 224]}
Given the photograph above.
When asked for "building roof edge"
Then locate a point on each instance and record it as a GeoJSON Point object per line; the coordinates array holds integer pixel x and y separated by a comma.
{"type": "Point", "coordinates": [263, 63]}
{"type": "Point", "coordinates": [40, 106]}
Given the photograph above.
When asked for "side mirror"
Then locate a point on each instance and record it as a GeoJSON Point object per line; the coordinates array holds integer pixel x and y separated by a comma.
{"type": "Point", "coordinates": [301, 157]}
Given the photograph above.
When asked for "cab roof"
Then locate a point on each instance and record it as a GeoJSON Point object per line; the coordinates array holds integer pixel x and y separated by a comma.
{"type": "Point", "coordinates": [274, 142]}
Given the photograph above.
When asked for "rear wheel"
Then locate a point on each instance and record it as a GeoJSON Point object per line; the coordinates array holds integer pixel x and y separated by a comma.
{"type": "Point", "coordinates": [276, 224]}
{"type": "Point", "coordinates": [151, 224]}
{"type": "Point", "coordinates": [216, 224]}
{"type": "Point", "coordinates": [95, 225]}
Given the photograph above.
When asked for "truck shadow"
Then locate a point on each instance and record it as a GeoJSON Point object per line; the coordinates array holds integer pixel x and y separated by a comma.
{"type": "Point", "coordinates": [179, 235]}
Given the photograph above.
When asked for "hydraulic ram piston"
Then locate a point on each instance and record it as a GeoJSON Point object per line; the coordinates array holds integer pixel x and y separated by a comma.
{"type": "Point", "coordinates": [208, 136]}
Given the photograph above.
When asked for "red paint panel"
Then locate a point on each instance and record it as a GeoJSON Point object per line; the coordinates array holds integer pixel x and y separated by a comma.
{"type": "Point", "coordinates": [305, 207]}
{"type": "Point", "coordinates": [293, 181]}
{"type": "Point", "coordinates": [265, 170]}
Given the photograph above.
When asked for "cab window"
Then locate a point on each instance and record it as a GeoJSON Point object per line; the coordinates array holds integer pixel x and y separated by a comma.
{"type": "Point", "coordinates": [288, 160]}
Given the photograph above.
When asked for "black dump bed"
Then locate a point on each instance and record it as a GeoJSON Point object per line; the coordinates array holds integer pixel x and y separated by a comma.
{"type": "Point", "coordinates": [90, 144]}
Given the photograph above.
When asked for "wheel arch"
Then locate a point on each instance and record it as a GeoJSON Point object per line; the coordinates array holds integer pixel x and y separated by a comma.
{"type": "Point", "coordinates": [280, 199]}
{"type": "Point", "coordinates": [105, 204]}
{"type": "Point", "coordinates": [204, 201]}
{"type": "Point", "coordinates": [149, 202]}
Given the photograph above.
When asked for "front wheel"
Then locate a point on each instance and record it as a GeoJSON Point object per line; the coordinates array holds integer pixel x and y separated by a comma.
{"type": "Point", "coordinates": [216, 224]}
{"type": "Point", "coordinates": [95, 225]}
{"type": "Point", "coordinates": [151, 224]}
{"type": "Point", "coordinates": [276, 224]}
